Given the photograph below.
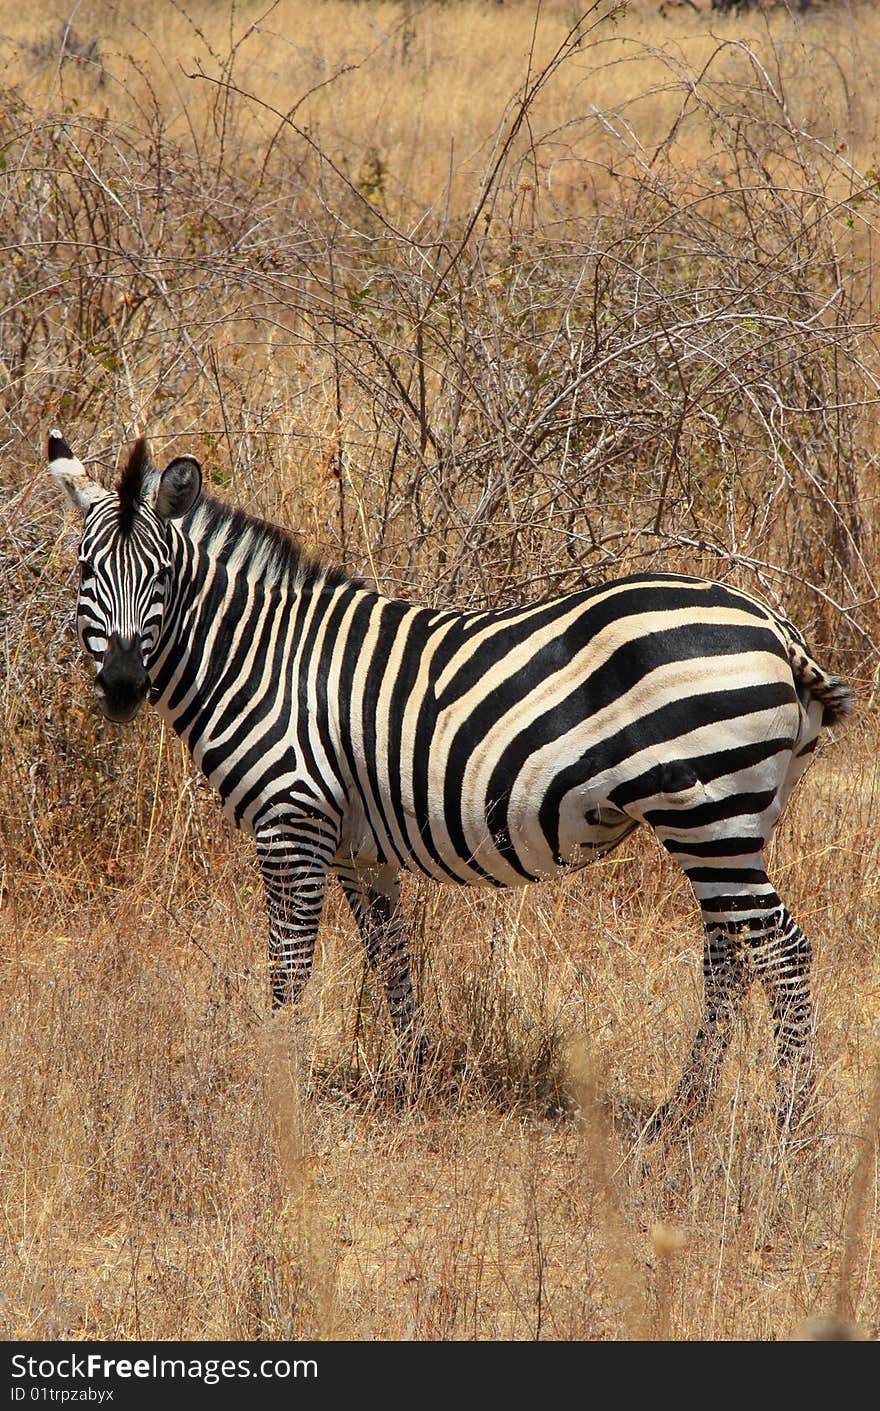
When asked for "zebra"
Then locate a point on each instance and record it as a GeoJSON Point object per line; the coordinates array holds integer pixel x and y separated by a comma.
{"type": "Point", "coordinates": [360, 735]}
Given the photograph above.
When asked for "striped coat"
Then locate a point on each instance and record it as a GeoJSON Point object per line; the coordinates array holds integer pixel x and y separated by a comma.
{"type": "Point", "coordinates": [360, 735]}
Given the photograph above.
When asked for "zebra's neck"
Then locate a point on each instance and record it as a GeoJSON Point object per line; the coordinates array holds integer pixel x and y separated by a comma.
{"type": "Point", "coordinates": [219, 535]}
{"type": "Point", "coordinates": [237, 581]}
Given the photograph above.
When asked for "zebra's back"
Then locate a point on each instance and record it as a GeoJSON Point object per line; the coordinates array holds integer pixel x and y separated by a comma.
{"type": "Point", "coordinates": [495, 748]}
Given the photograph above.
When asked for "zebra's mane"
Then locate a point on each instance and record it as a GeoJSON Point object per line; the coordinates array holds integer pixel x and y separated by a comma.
{"type": "Point", "coordinates": [130, 485]}
{"type": "Point", "coordinates": [256, 546]}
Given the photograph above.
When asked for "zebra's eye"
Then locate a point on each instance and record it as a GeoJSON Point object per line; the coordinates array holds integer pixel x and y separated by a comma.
{"type": "Point", "coordinates": [163, 575]}
{"type": "Point", "coordinates": [85, 571]}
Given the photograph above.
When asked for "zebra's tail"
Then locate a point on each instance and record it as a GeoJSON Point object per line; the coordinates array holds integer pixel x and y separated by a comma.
{"type": "Point", "coordinates": [835, 696]}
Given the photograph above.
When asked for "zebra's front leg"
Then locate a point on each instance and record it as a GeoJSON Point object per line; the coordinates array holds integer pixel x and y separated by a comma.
{"type": "Point", "coordinates": [724, 986]}
{"type": "Point", "coordinates": [374, 898]}
{"type": "Point", "coordinates": [294, 858]}
{"type": "Point", "coordinates": [781, 955]}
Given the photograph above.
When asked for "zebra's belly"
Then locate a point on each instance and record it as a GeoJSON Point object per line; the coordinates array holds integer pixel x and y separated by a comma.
{"type": "Point", "coordinates": [484, 855]}
{"type": "Point", "coordinates": [535, 846]}
{"type": "Point", "coordinates": [599, 831]}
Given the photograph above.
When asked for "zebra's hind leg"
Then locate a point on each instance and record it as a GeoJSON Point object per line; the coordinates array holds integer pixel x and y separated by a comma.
{"type": "Point", "coordinates": [294, 856]}
{"type": "Point", "coordinates": [781, 956]}
{"type": "Point", "coordinates": [724, 986]}
{"type": "Point", "coordinates": [374, 898]}
{"type": "Point", "coordinates": [748, 932]}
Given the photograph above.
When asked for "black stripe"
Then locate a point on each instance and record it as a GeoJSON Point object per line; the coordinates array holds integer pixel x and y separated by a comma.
{"type": "Point", "coordinates": [718, 811]}
{"type": "Point", "coordinates": [418, 627]}
{"type": "Point", "coordinates": [352, 649]}
{"type": "Point", "coordinates": [326, 603]}
{"type": "Point", "coordinates": [739, 845]}
{"type": "Point", "coordinates": [726, 874]}
{"type": "Point", "coordinates": [392, 615]}
{"type": "Point", "coordinates": [766, 901]}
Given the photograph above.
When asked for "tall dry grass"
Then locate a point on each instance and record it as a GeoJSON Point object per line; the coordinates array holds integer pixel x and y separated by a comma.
{"type": "Point", "coordinates": [486, 305]}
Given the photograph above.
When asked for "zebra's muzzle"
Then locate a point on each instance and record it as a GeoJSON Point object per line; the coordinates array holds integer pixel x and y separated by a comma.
{"type": "Point", "coordinates": [122, 685]}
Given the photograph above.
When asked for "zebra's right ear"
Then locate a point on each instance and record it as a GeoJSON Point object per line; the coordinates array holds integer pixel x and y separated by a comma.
{"type": "Point", "coordinates": [71, 474]}
{"type": "Point", "coordinates": [178, 487]}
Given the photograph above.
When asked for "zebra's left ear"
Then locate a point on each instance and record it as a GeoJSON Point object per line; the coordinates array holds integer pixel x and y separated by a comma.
{"type": "Point", "coordinates": [177, 488]}
{"type": "Point", "coordinates": [70, 473]}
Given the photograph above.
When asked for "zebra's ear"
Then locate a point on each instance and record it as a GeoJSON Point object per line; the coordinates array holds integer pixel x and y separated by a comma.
{"type": "Point", "coordinates": [70, 473]}
{"type": "Point", "coordinates": [177, 488]}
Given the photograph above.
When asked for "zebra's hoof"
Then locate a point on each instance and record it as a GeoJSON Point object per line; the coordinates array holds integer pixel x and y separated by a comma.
{"type": "Point", "coordinates": [662, 1120]}
{"type": "Point", "coordinates": [795, 1108]}
{"type": "Point", "coordinates": [673, 1119]}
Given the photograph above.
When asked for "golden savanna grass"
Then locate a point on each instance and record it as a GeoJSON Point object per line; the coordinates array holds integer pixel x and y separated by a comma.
{"type": "Point", "coordinates": [486, 306]}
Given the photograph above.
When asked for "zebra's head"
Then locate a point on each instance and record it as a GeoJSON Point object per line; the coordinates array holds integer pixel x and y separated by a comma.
{"type": "Point", "coordinates": [126, 561]}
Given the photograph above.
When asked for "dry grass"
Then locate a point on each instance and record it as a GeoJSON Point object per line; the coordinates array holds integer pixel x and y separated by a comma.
{"type": "Point", "coordinates": [177, 1164]}
{"type": "Point", "coordinates": [660, 349]}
